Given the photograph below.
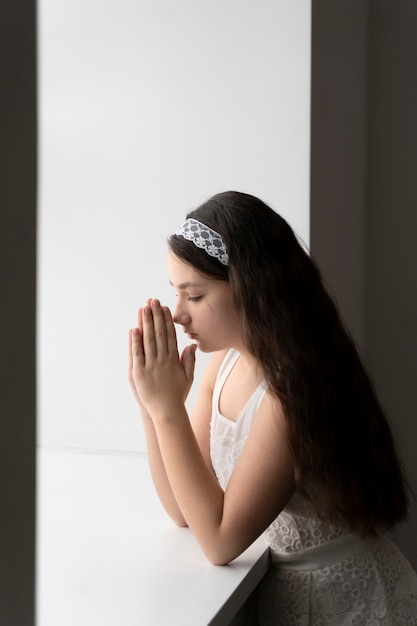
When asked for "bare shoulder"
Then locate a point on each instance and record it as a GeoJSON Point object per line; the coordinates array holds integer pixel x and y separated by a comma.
{"type": "Point", "coordinates": [272, 409]}
{"type": "Point", "coordinates": [270, 427]}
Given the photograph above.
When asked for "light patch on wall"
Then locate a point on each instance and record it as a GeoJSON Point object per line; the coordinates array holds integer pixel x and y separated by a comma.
{"type": "Point", "coordinates": [147, 108]}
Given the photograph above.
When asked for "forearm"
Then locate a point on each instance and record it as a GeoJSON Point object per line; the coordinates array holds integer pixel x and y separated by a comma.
{"type": "Point", "coordinates": [158, 472]}
{"type": "Point", "coordinates": [194, 486]}
{"type": "Point", "coordinates": [183, 478]}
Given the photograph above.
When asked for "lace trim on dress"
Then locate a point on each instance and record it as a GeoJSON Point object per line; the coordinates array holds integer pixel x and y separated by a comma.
{"type": "Point", "coordinates": [325, 554]}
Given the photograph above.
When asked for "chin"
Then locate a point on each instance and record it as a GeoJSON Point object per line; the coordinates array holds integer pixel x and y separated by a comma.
{"type": "Point", "coordinates": [203, 348]}
{"type": "Point", "coordinates": [209, 349]}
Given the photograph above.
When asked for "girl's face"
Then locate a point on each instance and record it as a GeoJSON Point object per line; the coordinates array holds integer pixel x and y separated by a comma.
{"type": "Point", "coordinates": [205, 308]}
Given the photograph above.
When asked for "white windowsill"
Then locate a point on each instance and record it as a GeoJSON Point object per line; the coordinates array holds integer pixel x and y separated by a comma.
{"type": "Point", "coordinates": [107, 554]}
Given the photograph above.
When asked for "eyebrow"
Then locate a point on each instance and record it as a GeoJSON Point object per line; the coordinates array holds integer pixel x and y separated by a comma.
{"type": "Point", "coordinates": [186, 285]}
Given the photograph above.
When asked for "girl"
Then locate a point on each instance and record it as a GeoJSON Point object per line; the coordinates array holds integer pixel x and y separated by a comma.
{"type": "Point", "coordinates": [287, 437]}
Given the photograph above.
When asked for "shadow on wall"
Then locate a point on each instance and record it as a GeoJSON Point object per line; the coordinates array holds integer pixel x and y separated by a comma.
{"type": "Point", "coordinates": [364, 196]}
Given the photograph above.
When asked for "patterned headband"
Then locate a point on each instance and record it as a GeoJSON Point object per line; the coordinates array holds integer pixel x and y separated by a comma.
{"type": "Point", "coordinates": [204, 237]}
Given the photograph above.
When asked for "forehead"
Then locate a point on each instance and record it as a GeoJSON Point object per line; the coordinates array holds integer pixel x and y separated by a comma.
{"type": "Point", "coordinates": [183, 275]}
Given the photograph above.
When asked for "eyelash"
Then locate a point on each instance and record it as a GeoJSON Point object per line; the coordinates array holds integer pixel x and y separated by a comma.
{"type": "Point", "coordinates": [191, 298]}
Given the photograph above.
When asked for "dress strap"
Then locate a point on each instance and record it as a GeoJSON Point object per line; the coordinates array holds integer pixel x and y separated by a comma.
{"type": "Point", "coordinates": [325, 554]}
{"type": "Point", "coordinates": [224, 371]}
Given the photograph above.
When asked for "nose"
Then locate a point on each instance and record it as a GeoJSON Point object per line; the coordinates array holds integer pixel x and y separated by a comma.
{"type": "Point", "coordinates": [181, 316]}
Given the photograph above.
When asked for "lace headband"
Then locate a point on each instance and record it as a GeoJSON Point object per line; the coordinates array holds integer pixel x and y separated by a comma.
{"type": "Point", "coordinates": [204, 237]}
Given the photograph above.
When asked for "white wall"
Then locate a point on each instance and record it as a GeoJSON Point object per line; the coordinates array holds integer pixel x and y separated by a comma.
{"type": "Point", "coordinates": [146, 108]}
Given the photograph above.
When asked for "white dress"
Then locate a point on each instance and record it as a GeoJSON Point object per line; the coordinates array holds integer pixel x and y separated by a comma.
{"type": "Point", "coordinates": [319, 574]}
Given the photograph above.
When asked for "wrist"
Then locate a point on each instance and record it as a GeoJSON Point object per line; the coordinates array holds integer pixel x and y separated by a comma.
{"type": "Point", "coordinates": [163, 413]}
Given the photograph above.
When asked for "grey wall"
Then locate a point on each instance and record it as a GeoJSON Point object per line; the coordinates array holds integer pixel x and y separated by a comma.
{"type": "Point", "coordinates": [17, 310]}
{"type": "Point", "coordinates": [338, 150]}
{"type": "Point", "coordinates": [364, 195]}
{"type": "Point", "coordinates": [391, 228]}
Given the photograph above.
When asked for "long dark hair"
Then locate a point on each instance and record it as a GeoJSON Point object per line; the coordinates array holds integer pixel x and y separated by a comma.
{"type": "Point", "coordinates": [346, 462]}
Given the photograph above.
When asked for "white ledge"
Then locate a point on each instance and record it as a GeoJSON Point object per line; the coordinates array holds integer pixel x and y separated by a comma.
{"type": "Point", "coordinates": [107, 553]}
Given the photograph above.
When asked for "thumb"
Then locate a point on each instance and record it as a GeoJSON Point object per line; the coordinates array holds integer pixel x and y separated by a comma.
{"type": "Point", "coordinates": [188, 361]}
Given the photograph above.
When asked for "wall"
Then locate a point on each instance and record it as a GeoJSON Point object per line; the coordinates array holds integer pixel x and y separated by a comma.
{"type": "Point", "coordinates": [339, 151]}
{"type": "Point", "coordinates": [364, 192]}
{"type": "Point", "coordinates": [17, 310]}
{"type": "Point", "coordinates": [145, 110]}
{"type": "Point", "coordinates": [391, 232]}
{"type": "Point", "coordinates": [391, 326]}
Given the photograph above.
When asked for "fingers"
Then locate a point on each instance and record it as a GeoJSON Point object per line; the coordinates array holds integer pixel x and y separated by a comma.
{"type": "Point", "coordinates": [130, 354]}
{"type": "Point", "coordinates": [130, 363]}
{"type": "Point", "coordinates": [136, 355]}
{"type": "Point", "coordinates": [159, 331]}
{"type": "Point", "coordinates": [139, 320]}
{"type": "Point", "coordinates": [149, 339]}
{"type": "Point", "coordinates": [171, 333]}
{"type": "Point", "coordinates": [135, 358]}
{"type": "Point", "coordinates": [140, 314]}
{"type": "Point", "coordinates": [188, 361]}
{"type": "Point", "coordinates": [156, 330]}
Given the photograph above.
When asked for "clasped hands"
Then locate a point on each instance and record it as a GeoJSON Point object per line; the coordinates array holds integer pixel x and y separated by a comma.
{"type": "Point", "coordinates": [160, 378]}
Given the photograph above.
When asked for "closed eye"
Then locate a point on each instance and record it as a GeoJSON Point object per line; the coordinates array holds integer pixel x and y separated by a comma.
{"type": "Point", "coordinates": [194, 298]}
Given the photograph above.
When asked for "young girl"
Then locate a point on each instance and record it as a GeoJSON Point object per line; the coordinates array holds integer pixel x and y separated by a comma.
{"type": "Point", "coordinates": [287, 437]}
